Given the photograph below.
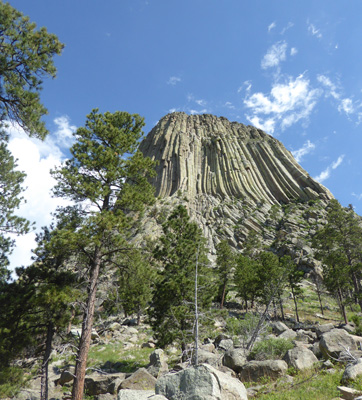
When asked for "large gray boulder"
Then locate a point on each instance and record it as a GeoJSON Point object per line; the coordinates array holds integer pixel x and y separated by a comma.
{"type": "Point", "coordinates": [139, 380]}
{"type": "Point", "coordinates": [321, 329]}
{"type": "Point", "coordinates": [300, 358]}
{"type": "Point", "coordinates": [201, 382]}
{"type": "Point", "coordinates": [334, 342]}
{"type": "Point", "coordinates": [278, 327]}
{"type": "Point", "coordinates": [158, 363]}
{"type": "Point", "coordinates": [352, 371]}
{"type": "Point", "coordinates": [235, 359]}
{"type": "Point", "coordinates": [102, 384]}
{"type": "Point", "coordinates": [128, 394]}
{"type": "Point", "coordinates": [254, 370]}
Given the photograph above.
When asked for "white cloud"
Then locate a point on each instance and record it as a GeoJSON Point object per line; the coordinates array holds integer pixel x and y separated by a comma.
{"type": "Point", "coordinates": [313, 30]}
{"type": "Point", "coordinates": [36, 158]}
{"type": "Point", "coordinates": [330, 87]}
{"type": "Point", "coordinates": [289, 25]}
{"type": "Point", "coordinates": [173, 80]}
{"type": "Point", "coordinates": [344, 105]}
{"type": "Point", "coordinates": [230, 105]}
{"type": "Point", "coordinates": [307, 147]}
{"type": "Point", "coordinates": [286, 104]}
{"type": "Point", "coordinates": [201, 102]}
{"type": "Point", "coordinates": [274, 55]}
{"type": "Point", "coordinates": [203, 111]}
{"type": "Point", "coordinates": [271, 26]}
{"type": "Point", "coordinates": [293, 51]}
{"type": "Point", "coordinates": [358, 196]}
{"type": "Point", "coordinates": [347, 106]}
{"type": "Point", "coordinates": [327, 172]}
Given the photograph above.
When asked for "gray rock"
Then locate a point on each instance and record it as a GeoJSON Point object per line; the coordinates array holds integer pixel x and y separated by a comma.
{"type": "Point", "coordinates": [65, 377]}
{"type": "Point", "coordinates": [225, 344]}
{"type": "Point", "coordinates": [352, 372]}
{"type": "Point", "coordinates": [300, 358]}
{"type": "Point", "coordinates": [206, 357]}
{"type": "Point", "coordinates": [139, 380]}
{"type": "Point", "coordinates": [278, 327]}
{"type": "Point", "coordinates": [288, 334]}
{"type": "Point", "coordinates": [102, 384]}
{"type": "Point", "coordinates": [348, 393]}
{"type": "Point", "coordinates": [201, 382]}
{"type": "Point", "coordinates": [235, 359]}
{"type": "Point", "coordinates": [254, 370]}
{"type": "Point", "coordinates": [323, 329]}
{"type": "Point", "coordinates": [127, 394]}
{"type": "Point", "coordinates": [334, 342]}
{"type": "Point", "coordinates": [158, 363]}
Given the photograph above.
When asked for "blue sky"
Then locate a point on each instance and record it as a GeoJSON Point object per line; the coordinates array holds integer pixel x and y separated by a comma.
{"type": "Point", "coordinates": [292, 68]}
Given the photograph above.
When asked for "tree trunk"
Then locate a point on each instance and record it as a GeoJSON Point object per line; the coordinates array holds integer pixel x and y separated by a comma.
{"type": "Point", "coordinates": [223, 296]}
{"type": "Point", "coordinates": [281, 308]}
{"type": "Point", "coordinates": [258, 327]}
{"type": "Point", "coordinates": [343, 308]}
{"type": "Point", "coordinates": [87, 324]}
{"type": "Point", "coordinates": [45, 364]}
{"type": "Point", "coordinates": [295, 305]}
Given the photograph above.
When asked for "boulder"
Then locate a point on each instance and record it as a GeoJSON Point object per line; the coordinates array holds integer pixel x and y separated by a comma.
{"type": "Point", "coordinates": [102, 384]}
{"type": "Point", "coordinates": [334, 342]}
{"type": "Point", "coordinates": [158, 365]}
{"type": "Point", "coordinates": [352, 371]}
{"type": "Point", "coordinates": [254, 370]}
{"type": "Point", "coordinates": [225, 344]}
{"type": "Point", "coordinates": [65, 377]}
{"type": "Point", "coordinates": [278, 327]}
{"type": "Point", "coordinates": [206, 357]}
{"type": "Point", "coordinates": [300, 358]}
{"type": "Point", "coordinates": [201, 382]}
{"type": "Point", "coordinates": [320, 329]}
{"type": "Point", "coordinates": [288, 334]}
{"type": "Point", "coordinates": [348, 393]}
{"type": "Point", "coordinates": [139, 380]}
{"type": "Point", "coordinates": [235, 359]}
{"type": "Point", "coordinates": [127, 394]}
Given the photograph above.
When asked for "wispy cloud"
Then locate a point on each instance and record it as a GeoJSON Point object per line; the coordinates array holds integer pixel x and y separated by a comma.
{"type": "Point", "coordinates": [289, 25]}
{"type": "Point", "coordinates": [286, 104]}
{"type": "Point", "coordinates": [307, 147]}
{"type": "Point", "coordinates": [274, 55]}
{"type": "Point", "coordinates": [313, 30]}
{"type": "Point", "coordinates": [344, 104]}
{"type": "Point", "coordinates": [173, 80]}
{"type": "Point", "coordinates": [271, 26]}
{"type": "Point", "coordinates": [357, 196]}
{"type": "Point", "coordinates": [327, 172]}
{"type": "Point", "coordinates": [293, 51]}
{"type": "Point", "coordinates": [230, 105]}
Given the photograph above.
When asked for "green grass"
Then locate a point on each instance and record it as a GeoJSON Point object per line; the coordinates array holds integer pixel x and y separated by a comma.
{"type": "Point", "coordinates": [307, 385]}
{"type": "Point", "coordinates": [125, 360]}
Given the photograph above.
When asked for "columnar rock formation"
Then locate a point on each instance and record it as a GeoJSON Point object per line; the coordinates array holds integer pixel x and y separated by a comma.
{"type": "Point", "coordinates": [203, 154]}
{"type": "Point", "coordinates": [233, 179]}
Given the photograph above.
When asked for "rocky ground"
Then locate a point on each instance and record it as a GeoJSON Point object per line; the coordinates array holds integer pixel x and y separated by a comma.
{"type": "Point", "coordinates": [125, 364]}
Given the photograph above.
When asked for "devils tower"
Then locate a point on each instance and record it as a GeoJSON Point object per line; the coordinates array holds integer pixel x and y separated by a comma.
{"type": "Point", "coordinates": [231, 177]}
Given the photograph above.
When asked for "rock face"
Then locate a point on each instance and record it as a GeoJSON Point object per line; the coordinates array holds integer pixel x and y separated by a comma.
{"type": "Point", "coordinates": [233, 179]}
{"type": "Point", "coordinates": [203, 154]}
{"type": "Point", "coordinates": [202, 383]}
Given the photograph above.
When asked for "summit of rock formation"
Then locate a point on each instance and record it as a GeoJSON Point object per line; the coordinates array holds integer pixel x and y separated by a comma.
{"type": "Point", "coordinates": [233, 179]}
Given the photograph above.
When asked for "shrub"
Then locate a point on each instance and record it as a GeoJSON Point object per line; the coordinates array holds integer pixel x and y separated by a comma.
{"type": "Point", "coordinates": [243, 329]}
{"type": "Point", "coordinates": [270, 349]}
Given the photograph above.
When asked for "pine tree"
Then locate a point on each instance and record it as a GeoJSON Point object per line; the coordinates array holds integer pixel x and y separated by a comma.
{"type": "Point", "coordinates": [26, 58]}
{"type": "Point", "coordinates": [339, 248]}
{"type": "Point", "coordinates": [225, 263]}
{"type": "Point", "coordinates": [107, 178]}
{"type": "Point", "coordinates": [172, 311]}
